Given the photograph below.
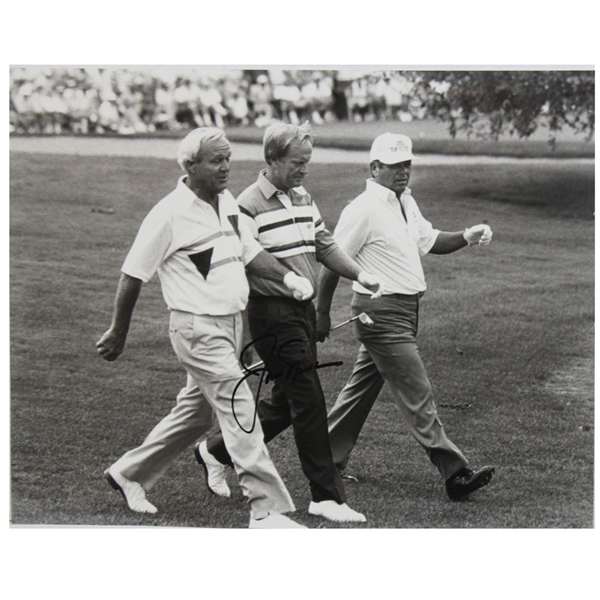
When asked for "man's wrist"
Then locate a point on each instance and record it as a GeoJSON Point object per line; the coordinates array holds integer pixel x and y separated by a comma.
{"type": "Point", "coordinates": [120, 328]}
{"type": "Point", "coordinates": [322, 305]}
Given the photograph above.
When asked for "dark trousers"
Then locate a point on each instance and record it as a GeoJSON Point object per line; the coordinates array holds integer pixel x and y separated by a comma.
{"type": "Point", "coordinates": [284, 334]}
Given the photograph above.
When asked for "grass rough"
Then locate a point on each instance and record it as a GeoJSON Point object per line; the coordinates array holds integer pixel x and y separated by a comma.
{"type": "Point", "coordinates": [502, 330]}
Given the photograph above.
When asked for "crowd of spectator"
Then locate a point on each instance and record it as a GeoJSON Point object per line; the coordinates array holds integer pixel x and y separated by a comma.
{"type": "Point", "coordinates": [50, 100]}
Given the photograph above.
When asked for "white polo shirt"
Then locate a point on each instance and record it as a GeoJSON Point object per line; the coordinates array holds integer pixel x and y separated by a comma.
{"type": "Point", "coordinates": [373, 231]}
{"type": "Point", "coordinates": [200, 256]}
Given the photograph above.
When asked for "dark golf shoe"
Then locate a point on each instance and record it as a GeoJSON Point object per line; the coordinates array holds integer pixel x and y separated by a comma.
{"type": "Point", "coordinates": [465, 482]}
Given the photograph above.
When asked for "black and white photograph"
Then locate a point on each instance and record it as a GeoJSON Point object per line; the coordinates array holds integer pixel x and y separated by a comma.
{"type": "Point", "coordinates": [357, 298]}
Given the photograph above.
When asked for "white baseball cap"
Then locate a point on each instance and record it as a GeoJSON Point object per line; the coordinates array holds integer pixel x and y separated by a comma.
{"type": "Point", "coordinates": [391, 148]}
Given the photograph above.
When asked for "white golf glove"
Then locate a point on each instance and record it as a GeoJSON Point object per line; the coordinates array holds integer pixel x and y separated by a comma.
{"type": "Point", "coordinates": [478, 235]}
{"type": "Point", "coordinates": [301, 287]}
{"type": "Point", "coordinates": [372, 283]}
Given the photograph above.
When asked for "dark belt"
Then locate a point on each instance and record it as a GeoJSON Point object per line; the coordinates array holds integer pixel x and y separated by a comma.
{"type": "Point", "coordinates": [284, 299]}
{"type": "Point", "coordinates": [405, 296]}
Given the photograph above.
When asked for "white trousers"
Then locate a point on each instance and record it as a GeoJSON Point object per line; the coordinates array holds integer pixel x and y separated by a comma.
{"type": "Point", "coordinates": [208, 348]}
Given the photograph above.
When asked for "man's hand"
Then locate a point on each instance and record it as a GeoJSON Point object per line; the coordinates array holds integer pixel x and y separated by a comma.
{"type": "Point", "coordinates": [301, 287]}
{"type": "Point", "coordinates": [323, 326]}
{"type": "Point", "coordinates": [372, 283]}
{"type": "Point", "coordinates": [111, 344]}
{"type": "Point", "coordinates": [478, 235]}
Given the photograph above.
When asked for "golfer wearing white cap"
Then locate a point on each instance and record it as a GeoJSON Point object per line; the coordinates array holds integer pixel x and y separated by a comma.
{"type": "Point", "coordinates": [384, 231]}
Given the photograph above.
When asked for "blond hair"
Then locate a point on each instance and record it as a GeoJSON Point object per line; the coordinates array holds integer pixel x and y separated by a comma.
{"type": "Point", "coordinates": [280, 136]}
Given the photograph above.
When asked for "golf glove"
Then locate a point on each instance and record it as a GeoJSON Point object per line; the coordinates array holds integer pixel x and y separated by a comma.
{"type": "Point", "coordinates": [478, 235]}
{"type": "Point", "coordinates": [301, 287]}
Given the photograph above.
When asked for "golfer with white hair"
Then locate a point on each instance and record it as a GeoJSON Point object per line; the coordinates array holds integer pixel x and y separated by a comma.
{"type": "Point", "coordinates": [384, 231]}
{"type": "Point", "coordinates": [195, 240]}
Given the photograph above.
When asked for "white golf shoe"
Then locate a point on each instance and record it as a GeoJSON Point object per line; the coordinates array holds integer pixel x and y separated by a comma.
{"type": "Point", "coordinates": [340, 513]}
{"type": "Point", "coordinates": [214, 471]}
{"type": "Point", "coordinates": [133, 492]}
{"type": "Point", "coordinates": [274, 521]}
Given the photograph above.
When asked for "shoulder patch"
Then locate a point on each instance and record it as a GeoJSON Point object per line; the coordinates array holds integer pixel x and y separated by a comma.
{"type": "Point", "coordinates": [234, 220]}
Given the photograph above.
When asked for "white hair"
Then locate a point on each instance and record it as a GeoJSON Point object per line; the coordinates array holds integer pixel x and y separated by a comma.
{"type": "Point", "coordinates": [191, 145]}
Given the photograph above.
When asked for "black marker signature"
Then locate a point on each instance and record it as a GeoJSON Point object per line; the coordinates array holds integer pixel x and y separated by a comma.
{"type": "Point", "coordinates": [291, 371]}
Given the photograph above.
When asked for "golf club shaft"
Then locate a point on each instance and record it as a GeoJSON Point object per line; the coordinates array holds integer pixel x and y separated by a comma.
{"type": "Point", "coordinates": [344, 323]}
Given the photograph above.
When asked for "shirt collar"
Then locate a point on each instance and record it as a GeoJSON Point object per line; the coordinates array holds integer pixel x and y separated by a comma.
{"type": "Point", "coordinates": [184, 192]}
{"type": "Point", "coordinates": [265, 186]}
{"type": "Point", "coordinates": [268, 189]}
{"type": "Point", "coordinates": [383, 193]}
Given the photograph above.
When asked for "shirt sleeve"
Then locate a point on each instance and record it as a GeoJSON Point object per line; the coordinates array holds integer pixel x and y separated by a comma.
{"type": "Point", "coordinates": [324, 242]}
{"type": "Point", "coordinates": [248, 237]}
{"type": "Point", "coordinates": [427, 233]}
{"type": "Point", "coordinates": [250, 223]}
{"type": "Point", "coordinates": [352, 231]}
{"type": "Point", "coordinates": [317, 220]}
{"type": "Point", "coordinates": [150, 248]}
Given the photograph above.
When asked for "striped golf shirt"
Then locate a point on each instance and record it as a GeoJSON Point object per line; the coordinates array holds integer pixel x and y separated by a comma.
{"type": "Point", "coordinates": [200, 256]}
{"type": "Point", "coordinates": [289, 227]}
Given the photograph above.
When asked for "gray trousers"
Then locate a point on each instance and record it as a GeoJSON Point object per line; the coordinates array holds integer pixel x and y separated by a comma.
{"type": "Point", "coordinates": [208, 348]}
{"type": "Point", "coordinates": [389, 354]}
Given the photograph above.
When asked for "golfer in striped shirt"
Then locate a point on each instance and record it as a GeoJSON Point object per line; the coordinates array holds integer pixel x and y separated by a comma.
{"type": "Point", "coordinates": [286, 222]}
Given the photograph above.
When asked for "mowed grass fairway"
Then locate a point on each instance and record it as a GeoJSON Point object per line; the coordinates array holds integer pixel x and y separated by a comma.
{"type": "Point", "coordinates": [506, 333]}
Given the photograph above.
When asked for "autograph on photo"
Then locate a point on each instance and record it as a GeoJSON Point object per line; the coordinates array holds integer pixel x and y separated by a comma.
{"type": "Point", "coordinates": [290, 370]}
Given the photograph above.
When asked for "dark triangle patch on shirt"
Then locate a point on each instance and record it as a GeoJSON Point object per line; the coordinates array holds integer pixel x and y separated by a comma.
{"type": "Point", "coordinates": [233, 219]}
{"type": "Point", "coordinates": [202, 261]}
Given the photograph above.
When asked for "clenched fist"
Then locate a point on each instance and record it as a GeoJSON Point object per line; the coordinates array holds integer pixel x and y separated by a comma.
{"type": "Point", "coordinates": [299, 286]}
{"type": "Point", "coordinates": [478, 235]}
{"type": "Point", "coordinates": [372, 283]}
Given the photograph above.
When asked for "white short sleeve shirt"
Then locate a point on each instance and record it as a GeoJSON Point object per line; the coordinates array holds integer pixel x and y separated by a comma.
{"type": "Point", "coordinates": [199, 256]}
{"type": "Point", "coordinates": [373, 231]}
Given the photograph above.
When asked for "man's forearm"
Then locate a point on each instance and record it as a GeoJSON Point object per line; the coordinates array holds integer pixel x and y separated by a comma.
{"type": "Point", "coordinates": [265, 266]}
{"type": "Point", "coordinates": [111, 344]}
{"type": "Point", "coordinates": [448, 242]}
{"type": "Point", "coordinates": [328, 282]}
{"type": "Point", "coordinates": [128, 292]}
{"type": "Point", "coordinates": [340, 264]}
